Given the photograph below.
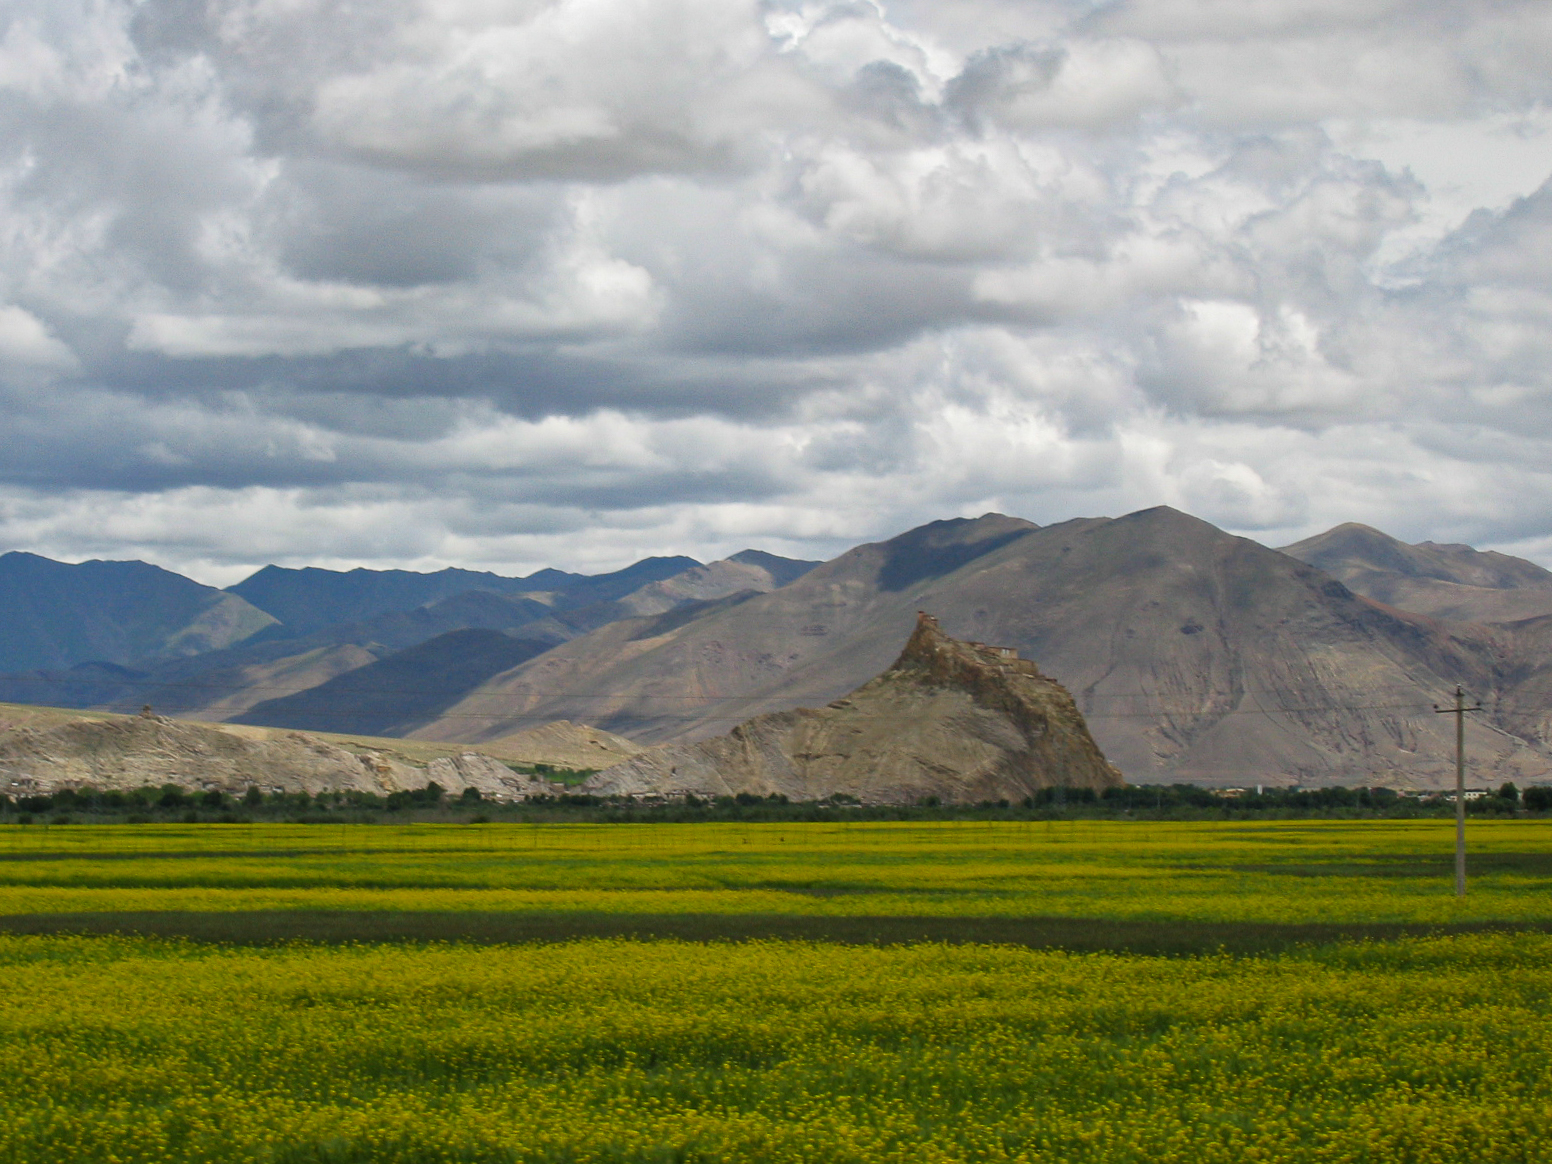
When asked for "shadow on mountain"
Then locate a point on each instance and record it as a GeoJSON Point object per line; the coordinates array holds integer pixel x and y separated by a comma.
{"type": "Point", "coordinates": [941, 547]}
{"type": "Point", "coordinates": [396, 694]}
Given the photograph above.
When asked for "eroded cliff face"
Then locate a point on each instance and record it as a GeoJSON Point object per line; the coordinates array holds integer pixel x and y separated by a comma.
{"type": "Point", "coordinates": [957, 720]}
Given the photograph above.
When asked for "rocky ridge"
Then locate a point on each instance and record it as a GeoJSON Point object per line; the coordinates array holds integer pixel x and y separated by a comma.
{"type": "Point", "coordinates": [126, 752]}
{"type": "Point", "coordinates": [961, 721]}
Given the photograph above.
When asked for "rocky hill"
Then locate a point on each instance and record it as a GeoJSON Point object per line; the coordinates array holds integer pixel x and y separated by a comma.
{"type": "Point", "coordinates": [41, 752]}
{"type": "Point", "coordinates": [563, 745]}
{"type": "Point", "coordinates": [959, 721]}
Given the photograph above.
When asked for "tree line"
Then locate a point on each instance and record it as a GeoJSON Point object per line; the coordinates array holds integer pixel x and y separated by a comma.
{"type": "Point", "coordinates": [171, 802]}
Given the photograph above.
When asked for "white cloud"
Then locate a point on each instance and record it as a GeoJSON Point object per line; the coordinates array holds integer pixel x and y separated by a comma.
{"type": "Point", "coordinates": [519, 282]}
{"type": "Point", "coordinates": [26, 346]}
{"type": "Point", "coordinates": [574, 87]}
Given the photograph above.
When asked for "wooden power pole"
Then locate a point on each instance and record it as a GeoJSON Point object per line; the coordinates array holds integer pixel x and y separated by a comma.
{"type": "Point", "coordinates": [1459, 712]}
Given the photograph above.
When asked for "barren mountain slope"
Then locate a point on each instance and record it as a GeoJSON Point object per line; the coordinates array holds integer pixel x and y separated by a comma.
{"type": "Point", "coordinates": [411, 663]}
{"type": "Point", "coordinates": [714, 580]}
{"type": "Point", "coordinates": [1205, 657]}
{"type": "Point", "coordinates": [705, 669]}
{"type": "Point", "coordinates": [1446, 581]}
{"type": "Point", "coordinates": [309, 599]}
{"type": "Point", "coordinates": [748, 572]}
{"type": "Point", "coordinates": [1195, 655]}
{"type": "Point", "coordinates": [959, 721]}
{"type": "Point", "coordinates": [214, 686]}
{"type": "Point", "coordinates": [228, 692]}
{"type": "Point", "coordinates": [389, 696]}
{"type": "Point", "coordinates": [1521, 700]}
{"type": "Point", "coordinates": [220, 684]}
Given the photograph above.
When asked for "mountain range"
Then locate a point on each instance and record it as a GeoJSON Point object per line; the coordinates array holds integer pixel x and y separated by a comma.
{"type": "Point", "coordinates": [1194, 654]}
{"type": "Point", "coordinates": [58, 615]}
{"type": "Point", "coordinates": [270, 657]}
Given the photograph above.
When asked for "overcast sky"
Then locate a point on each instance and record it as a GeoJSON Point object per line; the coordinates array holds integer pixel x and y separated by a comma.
{"type": "Point", "coordinates": [513, 283]}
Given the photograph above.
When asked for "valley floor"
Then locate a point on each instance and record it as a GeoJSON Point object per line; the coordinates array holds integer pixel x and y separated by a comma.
{"type": "Point", "coordinates": [941, 991]}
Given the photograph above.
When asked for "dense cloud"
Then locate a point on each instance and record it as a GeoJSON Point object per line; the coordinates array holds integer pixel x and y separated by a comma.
{"type": "Point", "coordinates": [509, 283]}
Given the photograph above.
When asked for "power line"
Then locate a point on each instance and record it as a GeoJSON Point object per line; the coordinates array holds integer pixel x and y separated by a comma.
{"type": "Point", "coordinates": [631, 705]}
{"type": "Point", "coordinates": [340, 713]}
{"type": "Point", "coordinates": [152, 685]}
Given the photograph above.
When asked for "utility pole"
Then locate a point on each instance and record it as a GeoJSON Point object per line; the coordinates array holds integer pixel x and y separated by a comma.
{"type": "Point", "coordinates": [1459, 712]}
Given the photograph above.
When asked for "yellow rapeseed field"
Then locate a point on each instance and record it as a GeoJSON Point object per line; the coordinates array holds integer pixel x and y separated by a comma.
{"type": "Point", "coordinates": [1283, 871]}
{"type": "Point", "coordinates": [1433, 1047]}
{"type": "Point", "coordinates": [1422, 1050]}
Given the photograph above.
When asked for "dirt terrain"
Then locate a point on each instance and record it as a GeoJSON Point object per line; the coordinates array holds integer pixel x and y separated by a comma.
{"type": "Point", "coordinates": [561, 744]}
{"type": "Point", "coordinates": [44, 749]}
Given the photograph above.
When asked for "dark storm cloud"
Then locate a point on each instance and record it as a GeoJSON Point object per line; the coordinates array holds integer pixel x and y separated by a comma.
{"type": "Point", "coordinates": [333, 222]}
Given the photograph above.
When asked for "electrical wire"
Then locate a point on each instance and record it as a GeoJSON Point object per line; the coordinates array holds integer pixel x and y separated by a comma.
{"type": "Point", "coordinates": [152, 685]}
{"type": "Point", "coordinates": [336, 712]}
{"type": "Point", "coordinates": [150, 688]}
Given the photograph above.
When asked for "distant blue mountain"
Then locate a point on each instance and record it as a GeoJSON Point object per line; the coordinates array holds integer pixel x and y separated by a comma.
{"type": "Point", "coordinates": [309, 599]}
{"type": "Point", "coordinates": [118, 634]}
{"type": "Point", "coordinates": [57, 614]}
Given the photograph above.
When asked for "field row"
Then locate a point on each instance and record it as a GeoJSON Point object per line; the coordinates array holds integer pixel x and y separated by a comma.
{"type": "Point", "coordinates": [1268, 873]}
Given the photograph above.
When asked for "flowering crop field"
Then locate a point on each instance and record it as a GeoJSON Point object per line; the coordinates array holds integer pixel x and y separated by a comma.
{"type": "Point", "coordinates": [1272, 872]}
{"type": "Point", "coordinates": [1418, 1046]}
